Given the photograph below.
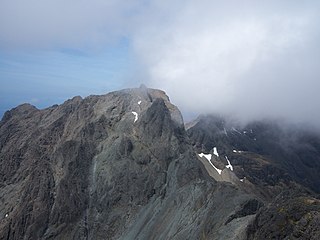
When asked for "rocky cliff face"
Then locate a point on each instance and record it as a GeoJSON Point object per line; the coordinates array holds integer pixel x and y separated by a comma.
{"type": "Point", "coordinates": [122, 166]}
{"type": "Point", "coordinates": [116, 166]}
{"type": "Point", "coordinates": [280, 164]}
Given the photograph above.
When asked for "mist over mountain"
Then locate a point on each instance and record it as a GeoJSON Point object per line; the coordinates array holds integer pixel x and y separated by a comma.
{"type": "Point", "coordinates": [251, 60]}
{"type": "Point", "coordinates": [237, 157]}
{"type": "Point", "coordinates": [248, 60]}
{"type": "Point", "coordinates": [124, 165]}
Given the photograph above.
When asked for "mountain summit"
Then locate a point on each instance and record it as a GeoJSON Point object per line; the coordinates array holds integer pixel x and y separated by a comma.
{"type": "Point", "coordinates": [123, 166]}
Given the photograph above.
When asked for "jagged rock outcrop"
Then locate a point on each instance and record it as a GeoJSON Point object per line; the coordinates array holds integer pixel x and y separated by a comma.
{"type": "Point", "coordinates": [122, 166]}
{"type": "Point", "coordinates": [279, 164]}
{"type": "Point", "coordinates": [291, 215]}
{"type": "Point", "coordinates": [116, 166]}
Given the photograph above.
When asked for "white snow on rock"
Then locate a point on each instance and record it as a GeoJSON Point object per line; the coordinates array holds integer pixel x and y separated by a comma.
{"type": "Point", "coordinates": [215, 152]}
{"type": "Point", "coordinates": [139, 102]}
{"type": "Point", "coordinates": [229, 164]}
{"type": "Point", "coordinates": [135, 116]}
{"type": "Point", "coordinates": [208, 157]}
{"type": "Point", "coordinates": [236, 151]}
{"type": "Point", "coordinates": [242, 180]}
{"type": "Point", "coordinates": [7, 215]}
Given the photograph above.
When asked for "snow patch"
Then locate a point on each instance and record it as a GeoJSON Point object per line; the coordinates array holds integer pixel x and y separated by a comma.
{"type": "Point", "coordinates": [229, 164]}
{"type": "Point", "coordinates": [236, 151]}
{"type": "Point", "coordinates": [7, 215]}
{"type": "Point", "coordinates": [242, 180]}
{"type": "Point", "coordinates": [135, 116]}
{"type": "Point", "coordinates": [208, 157]}
{"type": "Point", "coordinates": [215, 152]}
{"type": "Point", "coordinates": [139, 102]}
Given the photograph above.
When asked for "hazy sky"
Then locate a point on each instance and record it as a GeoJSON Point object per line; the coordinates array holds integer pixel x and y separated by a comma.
{"type": "Point", "coordinates": [251, 59]}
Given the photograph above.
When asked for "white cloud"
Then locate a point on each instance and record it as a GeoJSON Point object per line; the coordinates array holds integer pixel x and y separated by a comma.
{"type": "Point", "coordinates": [252, 59]}
{"type": "Point", "coordinates": [248, 60]}
{"type": "Point", "coordinates": [63, 23]}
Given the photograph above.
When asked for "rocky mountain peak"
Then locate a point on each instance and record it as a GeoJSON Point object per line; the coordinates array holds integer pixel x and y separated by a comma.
{"type": "Point", "coordinates": [122, 166]}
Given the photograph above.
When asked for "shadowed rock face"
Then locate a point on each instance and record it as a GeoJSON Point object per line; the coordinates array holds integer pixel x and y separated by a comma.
{"type": "Point", "coordinates": [279, 164]}
{"type": "Point", "coordinates": [92, 169]}
{"type": "Point", "coordinates": [263, 152]}
{"type": "Point", "coordinates": [288, 216]}
{"type": "Point", "coordinates": [122, 166]}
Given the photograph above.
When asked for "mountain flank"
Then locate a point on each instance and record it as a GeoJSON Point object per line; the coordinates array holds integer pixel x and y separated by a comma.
{"type": "Point", "coordinates": [123, 166]}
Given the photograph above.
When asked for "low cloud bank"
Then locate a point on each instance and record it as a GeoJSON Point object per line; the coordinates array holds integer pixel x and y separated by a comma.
{"type": "Point", "coordinates": [248, 59]}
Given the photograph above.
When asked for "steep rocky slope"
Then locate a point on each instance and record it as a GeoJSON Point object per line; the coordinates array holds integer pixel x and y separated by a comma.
{"type": "Point", "coordinates": [117, 166]}
{"type": "Point", "coordinates": [280, 164]}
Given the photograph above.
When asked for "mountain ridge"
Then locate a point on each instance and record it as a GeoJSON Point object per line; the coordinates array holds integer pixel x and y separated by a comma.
{"type": "Point", "coordinates": [123, 166]}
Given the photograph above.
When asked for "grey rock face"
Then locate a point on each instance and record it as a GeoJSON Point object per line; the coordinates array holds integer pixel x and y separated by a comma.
{"type": "Point", "coordinates": [289, 216]}
{"type": "Point", "coordinates": [116, 166]}
{"type": "Point", "coordinates": [122, 166]}
{"type": "Point", "coordinates": [278, 164]}
{"type": "Point", "coordinates": [263, 152]}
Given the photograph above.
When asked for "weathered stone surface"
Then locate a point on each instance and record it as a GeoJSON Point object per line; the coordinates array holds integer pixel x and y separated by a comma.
{"type": "Point", "coordinates": [122, 166]}
{"type": "Point", "coordinates": [280, 165]}
{"type": "Point", "coordinates": [289, 216]}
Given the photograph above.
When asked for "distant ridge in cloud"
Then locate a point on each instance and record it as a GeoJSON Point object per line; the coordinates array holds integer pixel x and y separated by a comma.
{"type": "Point", "coordinates": [244, 59]}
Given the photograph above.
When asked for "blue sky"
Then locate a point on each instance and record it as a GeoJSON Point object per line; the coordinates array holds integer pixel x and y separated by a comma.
{"type": "Point", "coordinates": [248, 59]}
{"type": "Point", "coordinates": [44, 78]}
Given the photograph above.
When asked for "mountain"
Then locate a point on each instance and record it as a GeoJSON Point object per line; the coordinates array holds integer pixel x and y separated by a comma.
{"type": "Point", "coordinates": [124, 166]}
{"type": "Point", "coordinates": [278, 163]}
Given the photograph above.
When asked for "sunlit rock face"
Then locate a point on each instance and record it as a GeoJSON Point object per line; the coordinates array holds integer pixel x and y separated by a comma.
{"type": "Point", "coordinates": [122, 166]}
